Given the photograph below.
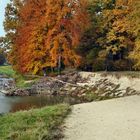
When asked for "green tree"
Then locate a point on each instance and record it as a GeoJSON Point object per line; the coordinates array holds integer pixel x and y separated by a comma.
{"type": "Point", "coordinates": [2, 56]}
{"type": "Point", "coordinates": [110, 35]}
{"type": "Point", "coordinates": [11, 22]}
{"type": "Point", "coordinates": [93, 40]}
{"type": "Point", "coordinates": [134, 21]}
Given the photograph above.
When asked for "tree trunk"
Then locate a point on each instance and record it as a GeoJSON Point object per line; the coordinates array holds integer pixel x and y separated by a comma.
{"type": "Point", "coordinates": [59, 65]}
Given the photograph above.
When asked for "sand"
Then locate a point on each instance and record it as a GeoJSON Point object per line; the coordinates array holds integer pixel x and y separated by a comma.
{"type": "Point", "coordinates": [116, 119]}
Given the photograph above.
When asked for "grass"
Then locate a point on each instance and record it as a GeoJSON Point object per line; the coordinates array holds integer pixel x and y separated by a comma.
{"type": "Point", "coordinates": [21, 81]}
{"type": "Point", "coordinates": [36, 124]}
{"type": "Point", "coordinates": [7, 70]}
{"type": "Point", "coordinates": [24, 81]}
{"type": "Point", "coordinates": [95, 95]}
{"type": "Point", "coordinates": [118, 74]}
{"type": "Point", "coordinates": [89, 97]}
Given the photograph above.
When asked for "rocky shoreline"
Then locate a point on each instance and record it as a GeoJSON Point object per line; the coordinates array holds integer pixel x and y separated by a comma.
{"type": "Point", "coordinates": [6, 84]}
{"type": "Point", "coordinates": [19, 92]}
{"type": "Point", "coordinates": [87, 86]}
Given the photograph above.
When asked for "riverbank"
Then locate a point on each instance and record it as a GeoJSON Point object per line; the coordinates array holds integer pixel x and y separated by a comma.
{"type": "Point", "coordinates": [35, 124]}
{"type": "Point", "coordinates": [21, 81]}
{"type": "Point", "coordinates": [86, 86]}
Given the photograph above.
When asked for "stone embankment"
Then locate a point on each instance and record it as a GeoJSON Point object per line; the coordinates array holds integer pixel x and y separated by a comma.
{"type": "Point", "coordinates": [85, 85]}
{"type": "Point", "coordinates": [88, 85]}
{"type": "Point", "coordinates": [6, 84]}
{"type": "Point", "coordinates": [19, 92]}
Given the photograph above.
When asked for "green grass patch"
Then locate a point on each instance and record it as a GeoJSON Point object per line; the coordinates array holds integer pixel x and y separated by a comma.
{"type": "Point", "coordinates": [92, 96]}
{"type": "Point", "coordinates": [36, 124]}
{"type": "Point", "coordinates": [22, 81]}
{"type": "Point", "coordinates": [7, 70]}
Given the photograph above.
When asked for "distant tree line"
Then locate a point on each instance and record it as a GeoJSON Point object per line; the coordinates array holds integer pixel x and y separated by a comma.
{"type": "Point", "coordinates": [88, 35]}
{"type": "Point", "coordinates": [2, 56]}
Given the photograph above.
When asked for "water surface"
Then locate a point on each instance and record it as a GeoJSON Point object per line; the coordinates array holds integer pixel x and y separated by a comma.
{"type": "Point", "coordinates": [13, 104]}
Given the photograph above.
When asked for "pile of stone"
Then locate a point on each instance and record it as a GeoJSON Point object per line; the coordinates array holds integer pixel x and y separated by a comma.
{"type": "Point", "coordinates": [6, 84]}
{"type": "Point", "coordinates": [78, 85]}
{"type": "Point", "coordinates": [46, 85]}
{"type": "Point", "coordinates": [73, 78]}
{"type": "Point", "coordinates": [61, 85]}
{"type": "Point", "coordinates": [19, 92]}
{"type": "Point", "coordinates": [75, 84]}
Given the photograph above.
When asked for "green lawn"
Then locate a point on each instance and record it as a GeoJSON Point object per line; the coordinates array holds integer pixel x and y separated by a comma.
{"type": "Point", "coordinates": [7, 70]}
{"type": "Point", "coordinates": [36, 124]}
{"type": "Point", "coordinates": [21, 81]}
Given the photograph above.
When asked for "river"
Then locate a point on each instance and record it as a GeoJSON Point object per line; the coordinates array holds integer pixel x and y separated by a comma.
{"type": "Point", "coordinates": [13, 104]}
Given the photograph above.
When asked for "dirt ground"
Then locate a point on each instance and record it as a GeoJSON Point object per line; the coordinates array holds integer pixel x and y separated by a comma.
{"type": "Point", "coordinates": [116, 119]}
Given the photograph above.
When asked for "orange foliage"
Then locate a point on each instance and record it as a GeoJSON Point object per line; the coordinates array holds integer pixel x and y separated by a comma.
{"type": "Point", "coordinates": [49, 29]}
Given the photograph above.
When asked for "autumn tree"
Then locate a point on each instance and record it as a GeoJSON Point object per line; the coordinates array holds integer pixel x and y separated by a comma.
{"type": "Point", "coordinates": [11, 22]}
{"type": "Point", "coordinates": [48, 34]}
{"type": "Point", "coordinates": [110, 39]}
{"type": "Point", "coordinates": [93, 39]}
{"type": "Point", "coordinates": [134, 21]}
{"type": "Point", "coordinates": [125, 30]}
{"type": "Point", "coordinates": [93, 35]}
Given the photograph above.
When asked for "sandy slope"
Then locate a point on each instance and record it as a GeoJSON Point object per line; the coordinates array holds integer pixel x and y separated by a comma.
{"type": "Point", "coordinates": [116, 78]}
{"type": "Point", "coordinates": [116, 119]}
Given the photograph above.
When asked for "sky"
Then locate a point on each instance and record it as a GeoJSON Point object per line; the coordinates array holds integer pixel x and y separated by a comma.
{"type": "Point", "coordinates": [3, 4]}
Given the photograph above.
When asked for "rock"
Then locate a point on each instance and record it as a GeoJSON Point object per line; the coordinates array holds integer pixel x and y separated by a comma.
{"type": "Point", "coordinates": [7, 83]}
{"type": "Point", "coordinates": [74, 84]}
{"type": "Point", "coordinates": [47, 85]}
{"type": "Point", "coordinates": [19, 92]}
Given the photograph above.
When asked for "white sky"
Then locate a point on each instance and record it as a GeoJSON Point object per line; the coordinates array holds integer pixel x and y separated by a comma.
{"type": "Point", "coordinates": [3, 4]}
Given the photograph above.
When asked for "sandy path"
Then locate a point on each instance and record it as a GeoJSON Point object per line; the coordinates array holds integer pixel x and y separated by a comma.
{"type": "Point", "coordinates": [116, 119]}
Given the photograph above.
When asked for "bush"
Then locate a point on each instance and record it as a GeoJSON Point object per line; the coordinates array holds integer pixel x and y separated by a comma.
{"type": "Point", "coordinates": [99, 65]}
{"type": "Point", "coordinates": [122, 65]}
{"type": "Point", "coordinates": [2, 59]}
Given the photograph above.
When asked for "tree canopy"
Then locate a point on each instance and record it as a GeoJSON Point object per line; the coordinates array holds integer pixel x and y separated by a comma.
{"type": "Point", "coordinates": [90, 35]}
{"type": "Point", "coordinates": [48, 30]}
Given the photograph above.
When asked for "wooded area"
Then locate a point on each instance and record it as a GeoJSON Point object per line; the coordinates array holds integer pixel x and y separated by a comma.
{"type": "Point", "coordinates": [88, 35]}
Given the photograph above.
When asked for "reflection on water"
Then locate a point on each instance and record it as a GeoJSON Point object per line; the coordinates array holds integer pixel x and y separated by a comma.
{"type": "Point", "coordinates": [6, 103]}
{"type": "Point", "coordinates": [13, 104]}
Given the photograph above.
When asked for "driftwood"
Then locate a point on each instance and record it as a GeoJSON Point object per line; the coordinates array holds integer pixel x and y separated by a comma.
{"type": "Point", "coordinates": [66, 83]}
